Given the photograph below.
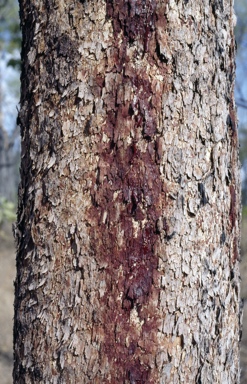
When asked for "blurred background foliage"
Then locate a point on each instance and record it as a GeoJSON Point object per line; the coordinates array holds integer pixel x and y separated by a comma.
{"type": "Point", "coordinates": [7, 210]}
{"type": "Point", "coordinates": [10, 45]}
{"type": "Point", "coordinates": [241, 92]}
{"type": "Point", "coordinates": [10, 35]}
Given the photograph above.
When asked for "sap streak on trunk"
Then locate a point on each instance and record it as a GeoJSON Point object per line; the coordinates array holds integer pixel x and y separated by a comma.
{"type": "Point", "coordinates": [130, 195]}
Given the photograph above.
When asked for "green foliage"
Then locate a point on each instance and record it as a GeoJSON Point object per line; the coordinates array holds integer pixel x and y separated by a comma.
{"type": "Point", "coordinates": [10, 34]}
{"type": "Point", "coordinates": [243, 145]}
{"type": "Point", "coordinates": [15, 63]}
{"type": "Point", "coordinates": [7, 210]}
{"type": "Point", "coordinates": [244, 212]}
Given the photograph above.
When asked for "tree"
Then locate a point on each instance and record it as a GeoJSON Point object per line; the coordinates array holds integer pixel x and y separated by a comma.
{"type": "Point", "coordinates": [128, 218]}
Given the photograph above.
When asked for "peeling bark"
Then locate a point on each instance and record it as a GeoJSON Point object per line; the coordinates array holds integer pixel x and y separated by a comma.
{"type": "Point", "coordinates": [128, 219]}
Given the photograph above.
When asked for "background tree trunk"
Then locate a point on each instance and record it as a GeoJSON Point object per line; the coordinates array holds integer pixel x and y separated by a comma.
{"type": "Point", "coordinates": [128, 222]}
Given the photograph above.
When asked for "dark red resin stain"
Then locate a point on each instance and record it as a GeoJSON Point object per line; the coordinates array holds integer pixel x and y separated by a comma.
{"type": "Point", "coordinates": [132, 173]}
{"type": "Point", "coordinates": [136, 18]}
{"type": "Point", "coordinates": [136, 176]}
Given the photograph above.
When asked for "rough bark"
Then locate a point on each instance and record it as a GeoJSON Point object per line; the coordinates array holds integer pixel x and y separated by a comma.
{"type": "Point", "coordinates": [128, 222]}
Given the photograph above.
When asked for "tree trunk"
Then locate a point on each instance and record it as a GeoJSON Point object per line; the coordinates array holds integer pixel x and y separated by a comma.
{"type": "Point", "coordinates": [128, 221]}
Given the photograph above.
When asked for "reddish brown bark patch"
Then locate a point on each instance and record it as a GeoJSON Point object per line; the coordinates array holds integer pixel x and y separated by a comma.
{"type": "Point", "coordinates": [136, 18]}
{"type": "Point", "coordinates": [129, 199]}
{"type": "Point", "coordinates": [135, 177]}
{"type": "Point", "coordinates": [232, 123]}
{"type": "Point", "coordinates": [129, 192]}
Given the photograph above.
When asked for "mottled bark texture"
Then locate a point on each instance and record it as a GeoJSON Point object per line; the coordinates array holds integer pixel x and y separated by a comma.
{"type": "Point", "coordinates": [128, 222]}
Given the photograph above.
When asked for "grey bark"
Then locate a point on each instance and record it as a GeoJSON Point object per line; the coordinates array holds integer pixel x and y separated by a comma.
{"type": "Point", "coordinates": [128, 222]}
